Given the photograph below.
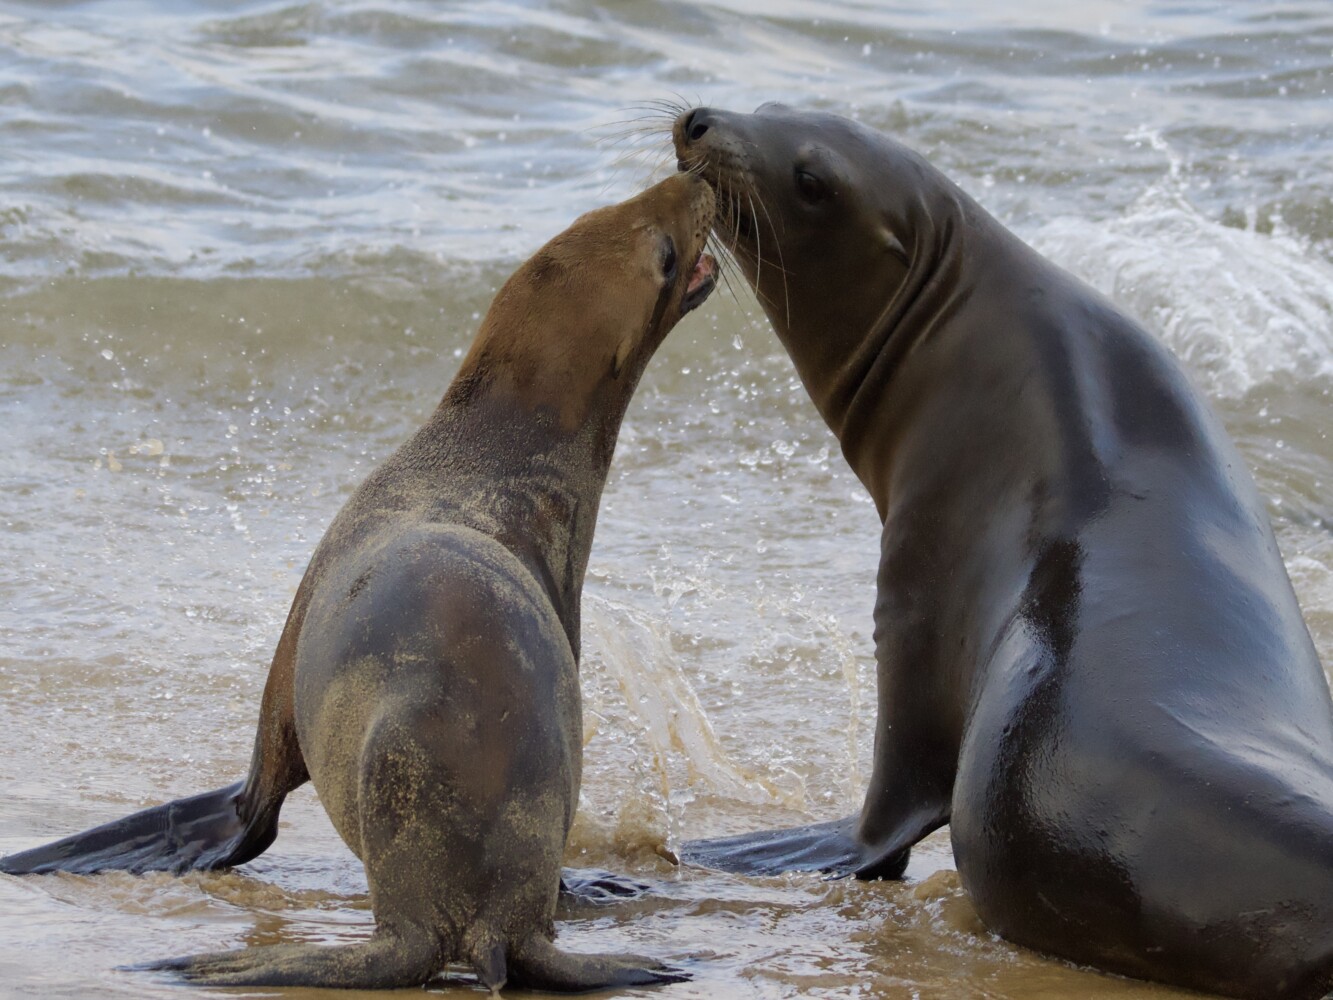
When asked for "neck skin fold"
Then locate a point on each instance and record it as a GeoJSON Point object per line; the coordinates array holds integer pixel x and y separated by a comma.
{"type": "Point", "coordinates": [848, 362]}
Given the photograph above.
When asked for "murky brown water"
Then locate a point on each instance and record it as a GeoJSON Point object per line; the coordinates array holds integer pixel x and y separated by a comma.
{"type": "Point", "coordinates": [242, 247]}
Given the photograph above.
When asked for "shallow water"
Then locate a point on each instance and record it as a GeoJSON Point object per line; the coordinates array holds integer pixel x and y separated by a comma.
{"type": "Point", "coordinates": [242, 248]}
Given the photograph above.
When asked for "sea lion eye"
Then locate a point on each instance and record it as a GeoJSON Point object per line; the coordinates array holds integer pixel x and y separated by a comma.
{"type": "Point", "coordinates": [669, 259]}
{"type": "Point", "coordinates": [812, 189]}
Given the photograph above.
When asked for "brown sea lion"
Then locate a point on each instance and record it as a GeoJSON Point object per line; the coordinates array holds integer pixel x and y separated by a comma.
{"type": "Point", "coordinates": [427, 677]}
{"type": "Point", "coordinates": [1090, 658]}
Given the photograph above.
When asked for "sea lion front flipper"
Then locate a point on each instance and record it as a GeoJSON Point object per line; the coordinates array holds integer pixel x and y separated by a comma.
{"type": "Point", "coordinates": [829, 847]}
{"type": "Point", "coordinates": [202, 831]}
{"type": "Point", "coordinates": [540, 965]}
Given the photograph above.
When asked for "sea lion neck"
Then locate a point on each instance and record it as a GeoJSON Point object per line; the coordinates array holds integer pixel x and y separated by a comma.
{"type": "Point", "coordinates": [520, 446]}
{"type": "Point", "coordinates": [536, 486]}
{"type": "Point", "coordinates": [809, 202]}
{"type": "Point", "coordinates": [848, 357]}
{"type": "Point", "coordinates": [852, 352]}
{"type": "Point", "coordinates": [874, 269]}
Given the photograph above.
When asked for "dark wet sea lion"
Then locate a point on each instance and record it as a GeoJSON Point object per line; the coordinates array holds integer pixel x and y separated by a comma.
{"type": "Point", "coordinates": [1090, 658]}
{"type": "Point", "coordinates": [427, 677]}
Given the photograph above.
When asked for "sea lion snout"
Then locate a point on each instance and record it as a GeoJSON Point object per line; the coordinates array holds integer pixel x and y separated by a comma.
{"type": "Point", "coordinates": [693, 135]}
{"type": "Point", "coordinates": [682, 209]}
{"type": "Point", "coordinates": [573, 327]}
{"type": "Point", "coordinates": [711, 143]}
{"type": "Point", "coordinates": [708, 146]}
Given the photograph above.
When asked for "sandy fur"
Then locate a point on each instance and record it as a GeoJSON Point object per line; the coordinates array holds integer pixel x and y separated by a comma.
{"type": "Point", "coordinates": [427, 678]}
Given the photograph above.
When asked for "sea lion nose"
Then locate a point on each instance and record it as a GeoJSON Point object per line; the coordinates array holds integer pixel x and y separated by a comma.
{"type": "Point", "coordinates": [696, 124]}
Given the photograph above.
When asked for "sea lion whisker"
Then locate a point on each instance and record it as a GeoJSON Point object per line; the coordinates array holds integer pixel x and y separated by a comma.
{"type": "Point", "coordinates": [633, 118]}
{"type": "Point", "coordinates": [747, 253]}
{"type": "Point", "coordinates": [714, 246]}
{"type": "Point", "coordinates": [782, 266]}
{"type": "Point", "coordinates": [647, 124]}
{"type": "Point", "coordinates": [631, 153]}
{"type": "Point", "coordinates": [656, 105]}
{"type": "Point", "coordinates": [765, 299]}
{"type": "Point", "coordinates": [733, 211]}
{"type": "Point", "coordinates": [730, 209]}
{"type": "Point", "coordinates": [651, 159]}
{"type": "Point", "coordinates": [726, 208]}
{"type": "Point", "coordinates": [630, 140]}
{"type": "Point", "coordinates": [726, 264]}
{"type": "Point", "coordinates": [622, 136]}
{"type": "Point", "coordinates": [644, 163]}
{"type": "Point", "coordinates": [769, 263]}
{"type": "Point", "coordinates": [673, 105]}
{"type": "Point", "coordinates": [665, 111]}
{"type": "Point", "coordinates": [665, 107]}
{"type": "Point", "coordinates": [663, 166]}
{"type": "Point", "coordinates": [758, 239]}
{"type": "Point", "coordinates": [735, 253]}
{"type": "Point", "coordinates": [734, 229]}
{"type": "Point", "coordinates": [692, 165]}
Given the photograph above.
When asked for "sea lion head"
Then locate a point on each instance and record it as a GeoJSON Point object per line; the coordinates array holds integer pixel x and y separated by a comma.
{"type": "Point", "coordinates": [828, 220]}
{"type": "Point", "coordinates": [578, 321]}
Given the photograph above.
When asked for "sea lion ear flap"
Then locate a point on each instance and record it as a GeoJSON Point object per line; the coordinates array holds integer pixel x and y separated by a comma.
{"type": "Point", "coordinates": [893, 245]}
{"type": "Point", "coordinates": [622, 355]}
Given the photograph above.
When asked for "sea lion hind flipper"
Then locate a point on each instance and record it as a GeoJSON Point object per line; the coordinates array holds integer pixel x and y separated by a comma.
{"type": "Point", "coordinates": [200, 832]}
{"type": "Point", "coordinates": [590, 885]}
{"type": "Point", "coordinates": [829, 847]}
{"type": "Point", "coordinates": [540, 965]}
{"type": "Point", "coordinates": [387, 960]}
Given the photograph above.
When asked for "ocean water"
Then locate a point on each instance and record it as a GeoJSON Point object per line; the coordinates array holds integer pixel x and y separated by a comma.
{"type": "Point", "coordinates": [243, 247]}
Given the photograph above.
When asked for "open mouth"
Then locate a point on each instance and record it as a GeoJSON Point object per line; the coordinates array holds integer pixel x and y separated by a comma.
{"type": "Point", "coordinates": [703, 279]}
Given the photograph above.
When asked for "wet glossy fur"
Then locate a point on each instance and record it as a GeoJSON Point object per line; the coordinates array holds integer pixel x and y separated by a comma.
{"type": "Point", "coordinates": [1090, 658]}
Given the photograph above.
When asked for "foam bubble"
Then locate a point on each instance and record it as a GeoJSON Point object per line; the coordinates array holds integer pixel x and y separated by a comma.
{"type": "Point", "coordinates": [1239, 307]}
